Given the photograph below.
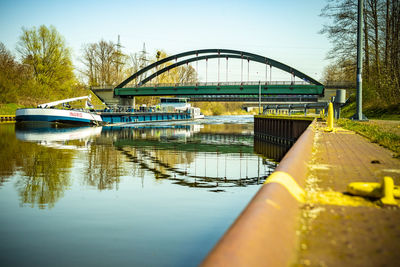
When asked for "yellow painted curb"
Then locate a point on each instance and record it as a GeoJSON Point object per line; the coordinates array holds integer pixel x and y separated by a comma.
{"type": "Point", "coordinates": [289, 183]}
{"type": "Point", "coordinates": [7, 118]}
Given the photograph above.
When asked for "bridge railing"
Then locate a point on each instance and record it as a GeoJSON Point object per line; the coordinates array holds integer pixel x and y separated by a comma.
{"type": "Point", "coordinates": [108, 87]}
{"type": "Point", "coordinates": [253, 98]}
{"type": "Point", "coordinates": [102, 87]}
{"type": "Point", "coordinates": [225, 83]}
{"type": "Point", "coordinates": [328, 84]}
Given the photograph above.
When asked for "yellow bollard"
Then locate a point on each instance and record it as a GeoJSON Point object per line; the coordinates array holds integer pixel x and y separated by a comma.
{"type": "Point", "coordinates": [329, 121]}
{"type": "Point", "coordinates": [371, 190]}
{"type": "Point", "coordinates": [387, 191]}
{"type": "Point", "coordinates": [322, 114]}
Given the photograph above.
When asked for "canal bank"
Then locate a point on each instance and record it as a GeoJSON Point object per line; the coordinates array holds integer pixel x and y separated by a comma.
{"type": "Point", "coordinates": [339, 229]}
{"type": "Point", "coordinates": [7, 118]}
{"type": "Point", "coordinates": [303, 216]}
{"type": "Point", "coordinates": [265, 232]}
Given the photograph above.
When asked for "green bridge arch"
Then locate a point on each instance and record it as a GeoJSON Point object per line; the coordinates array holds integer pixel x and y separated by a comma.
{"type": "Point", "coordinates": [215, 53]}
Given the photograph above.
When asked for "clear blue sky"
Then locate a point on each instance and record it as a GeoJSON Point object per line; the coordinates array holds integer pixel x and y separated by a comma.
{"type": "Point", "coordinates": [286, 31]}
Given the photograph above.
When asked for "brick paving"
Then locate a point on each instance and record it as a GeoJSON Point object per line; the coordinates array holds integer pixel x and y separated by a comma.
{"type": "Point", "coordinates": [338, 235]}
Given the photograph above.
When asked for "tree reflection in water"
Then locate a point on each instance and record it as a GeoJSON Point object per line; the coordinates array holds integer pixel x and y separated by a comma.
{"type": "Point", "coordinates": [9, 149]}
{"type": "Point", "coordinates": [44, 171]}
{"type": "Point", "coordinates": [104, 167]}
{"type": "Point", "coordinates": [46, 175]}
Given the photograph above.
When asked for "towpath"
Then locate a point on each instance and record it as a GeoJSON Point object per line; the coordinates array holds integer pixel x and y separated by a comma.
{"type": "Point", "coordinates": [339, 230]}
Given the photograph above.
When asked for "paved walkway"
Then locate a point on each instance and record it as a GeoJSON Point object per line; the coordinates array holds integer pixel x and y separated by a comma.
{"type": "Point", "coordinates": [348, 231]}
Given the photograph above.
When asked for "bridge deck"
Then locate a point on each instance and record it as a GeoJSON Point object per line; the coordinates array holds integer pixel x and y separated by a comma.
{"type": "Point", "coordinates": [249, 88]}
{"type": "Point", "coordinates": [231, 91]}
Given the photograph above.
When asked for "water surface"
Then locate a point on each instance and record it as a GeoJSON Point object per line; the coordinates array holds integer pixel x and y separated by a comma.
{"type": "Point", "coordinates": [135, 195]}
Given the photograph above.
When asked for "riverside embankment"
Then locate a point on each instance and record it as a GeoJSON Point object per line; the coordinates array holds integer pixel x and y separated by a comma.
{"type": "Point", "coordinates": [302, 214]}
{"type": "Point", "coordinates": [7, 118]}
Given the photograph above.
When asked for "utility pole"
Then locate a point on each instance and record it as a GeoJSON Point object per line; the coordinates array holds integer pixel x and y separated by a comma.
{"type": "Point", "coordinates": [142, 62]}
{"type": "Point", "coordinates": [119, 56]}
{"type": "Point", "coordinates": [359, 116]}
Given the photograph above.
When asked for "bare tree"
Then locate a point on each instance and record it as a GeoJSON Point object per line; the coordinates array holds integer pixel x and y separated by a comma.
{"type": "Point", "coordinates": [381, 44]}
{"type": "Point", "coordinates": [104, 63]}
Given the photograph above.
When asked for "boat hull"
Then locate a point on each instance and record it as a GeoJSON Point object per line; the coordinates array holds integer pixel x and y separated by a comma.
{"type": "Point", "coordinates": [198, 117]}
{"type": "Point", "coordinates": [54, 134]}
{"type": "Point", "coordinates": [57, 116]}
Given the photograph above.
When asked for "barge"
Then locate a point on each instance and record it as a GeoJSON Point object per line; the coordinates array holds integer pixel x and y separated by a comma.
{"type": "Point", "coordinates": [169, 109]}
{"type": "Point", "coordinates": [112, 117]}
{"type": "Point", "coordinates": [172, 109]}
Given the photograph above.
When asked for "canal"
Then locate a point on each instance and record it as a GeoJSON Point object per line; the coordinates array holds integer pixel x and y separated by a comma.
{"type": "Point", "coordinates": [134, 195]}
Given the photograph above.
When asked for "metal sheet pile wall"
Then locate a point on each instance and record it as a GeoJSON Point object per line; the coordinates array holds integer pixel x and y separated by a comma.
{"type": "Point", "coordinates": [281, 130]}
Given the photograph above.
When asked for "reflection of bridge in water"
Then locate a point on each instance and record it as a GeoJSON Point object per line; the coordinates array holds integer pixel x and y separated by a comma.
{"type": "Point", "coordinates": [182, 138]}
{"type": "Point", "coordinates": [203, 156]}
{"type": "Point", "coordinates": [182, 176]}
{"type": "Point", "coordinates": [212, 156]}
{"type": "Point", "coordinates": [211, 153]}
{"type": "Point", "coordinates": [205, 142]}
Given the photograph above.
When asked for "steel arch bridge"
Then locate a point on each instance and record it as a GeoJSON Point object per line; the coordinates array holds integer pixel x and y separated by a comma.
{"type": "Point", "coordinates": [307, 85]}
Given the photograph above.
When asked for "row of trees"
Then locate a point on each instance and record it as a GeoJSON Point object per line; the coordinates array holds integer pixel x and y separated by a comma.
{"type": "Point", "coordinates": [45, 70]}
{"type": "Point", "coordinates": [15, 78]}
{"type": "Point", "coordinates": [381, 63]}
{"type": "Point", "coordinates": [105, 64]}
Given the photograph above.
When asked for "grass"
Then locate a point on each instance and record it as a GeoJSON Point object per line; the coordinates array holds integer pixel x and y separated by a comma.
{"type": "Point", "coordinates": [372, 111]}
{"type": "Point", "coordinates": [9, 109]}
{"type": "Point", "coordinates": [385, 134]}
{"type": "Point", "coordinates": [383, 126]}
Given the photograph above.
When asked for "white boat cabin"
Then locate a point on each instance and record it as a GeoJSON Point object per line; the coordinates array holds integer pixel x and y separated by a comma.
{"type": "Point", "coordinates": [180, 103]}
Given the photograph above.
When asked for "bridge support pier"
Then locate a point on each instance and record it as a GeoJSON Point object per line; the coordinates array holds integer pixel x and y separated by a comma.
{"type": "Point", "coordinates": [127, 101]}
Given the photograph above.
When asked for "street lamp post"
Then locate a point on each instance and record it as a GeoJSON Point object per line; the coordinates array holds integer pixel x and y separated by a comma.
{"type": "Point", "coordinates": [359, 116]}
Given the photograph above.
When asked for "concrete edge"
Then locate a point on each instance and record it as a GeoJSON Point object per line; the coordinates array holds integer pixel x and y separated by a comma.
{"type": "Point", "coordinates": [265, 232]}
